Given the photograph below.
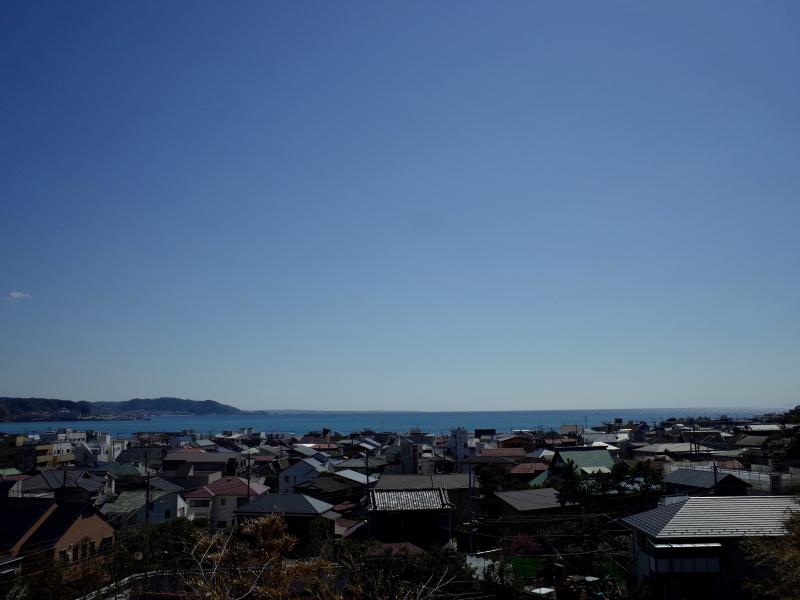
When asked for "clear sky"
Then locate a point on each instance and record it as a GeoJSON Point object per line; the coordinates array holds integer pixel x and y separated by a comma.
{"type": "Point", "coordinates": [401, 205]}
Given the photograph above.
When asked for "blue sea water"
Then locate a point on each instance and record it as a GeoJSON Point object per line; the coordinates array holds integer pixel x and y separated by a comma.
{"type": "Point", "coordinates": [345, 422]}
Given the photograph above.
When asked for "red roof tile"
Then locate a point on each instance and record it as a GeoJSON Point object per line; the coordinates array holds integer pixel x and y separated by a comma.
{"type": "Point", "coordinates": [228, 486]}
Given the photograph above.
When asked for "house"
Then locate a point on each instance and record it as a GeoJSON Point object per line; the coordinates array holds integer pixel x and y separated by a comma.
{"type": "Point", "coordinates": [422, 517]}
{"type": "Point", "coordinates": [692, 548]}
{"type": "Point", "coordinates": [588, 460]}
{"type": "Point", "coordinates": [678, 449]}
{"type": "Point", "coordinates": [460, 488]}
{"type": "Point", "coordinates": [218, 500]}
{"type": "Point", "coordinates": [179, 464]}
{"type": "Point", "coordinates": [38, 529]}
{"type": "Point", "coordinates": [128, 509]}
{"type": "Point", "coordinates": [527, 471]}
{"type": "Point", "coordinates": [331, 489]}
{"type": "Point", "coordinates": [704, 482]}
{"type": "Point", "coordinates": [141, 456]}
{"type": "Point", "coordinates": [515, 453]}
{"type": "Point", "coordinates": [297, 510]}
{"type": "Point", "coordinates": [69, 484]}
{"type": "Point", "coordinates": [301, 471]}
{"type": "Point", "coordinates": [376, 464]}
{"type": "Point", "coordinates": [524, 441]}
{"type": "Point", "coordinates": [524, 502]}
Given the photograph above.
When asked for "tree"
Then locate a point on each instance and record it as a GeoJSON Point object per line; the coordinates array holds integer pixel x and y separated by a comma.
{"type": "Point", "coordinates": [252, 564]}
{"type": "Point", "coordinates": [779, 560]}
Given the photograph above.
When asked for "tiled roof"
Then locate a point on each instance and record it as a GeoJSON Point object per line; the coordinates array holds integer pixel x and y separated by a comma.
{"type": "Point", "coordinates": [448, 481]}
{"type": "Point", "coordinates": [510, 452]}
{"type": "Point", "coordinates": [587, 457]}
{"type": "Point", "coordinates": [228, 486]}
{"type": "Point", "coordinates": [408, 500]}
{"type": "Point", "coordinates": [716, 517]}
{"type": "Point", "coordinates": [199, 457]}
{"type": "Point", "coordinates": [290, 504]}
{"type": "Point", "coordinates": [697, 478]}
{"type": "Point", "coordinates": [61, 519]}
{"type": "Point", "coordinates": [355, 476]}
{"type": "Point", "coordinates": [525, 500]}
{"type": "Point", "coordinates": [17, 516]}
{"type": "Point", "coordinates": [528, 468]}
{"type": "Point", "coordinates": [130, 501]}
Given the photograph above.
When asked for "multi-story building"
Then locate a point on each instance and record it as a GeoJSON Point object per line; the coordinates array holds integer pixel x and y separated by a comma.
{"type": "Point", "coordinates": [218, 500]}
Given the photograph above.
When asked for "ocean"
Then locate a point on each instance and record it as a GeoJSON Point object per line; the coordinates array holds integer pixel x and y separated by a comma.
{"type": "Point", "coordinates": [346, 421]}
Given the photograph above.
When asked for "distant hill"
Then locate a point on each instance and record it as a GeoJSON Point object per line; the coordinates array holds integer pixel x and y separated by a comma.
{"type": "Point", "coordinates": [16, 407]}
{"type": "Point", "coordinates": [28, 408]}
{"type": "Point", "coordinates": [166, 405]}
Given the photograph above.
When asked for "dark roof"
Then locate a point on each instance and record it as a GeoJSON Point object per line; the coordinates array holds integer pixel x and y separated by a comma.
{"type": "Point", "coordinates": [160, 483]}
{"type": "Point", "coordinates": [53, 479]}
{"type": "Point", "coordinates": [138, 454]}
{"type": "Point", "coordinates": [408, 500]}
{"type": "Point", "coordinates": [56, 525]}
{"type": "Point", "coordinates": [751, 441]}
{"type": "Point", "coordinates": [289, 504]}
{"type": "Point", "coordinates": [305, 450]}
{"type": "Point", "coordinates": [653, 521]}
{"type": "Point", "coordinates": [325, 484]}
{"type": "Point", "coordinates": [200, 457]}
{"type": "Point", "coordinates": [448, 481]}
{"type": "Point", "coordinates": [360, 463]}
{"type": "Point", "coordinates": [716, 517]}
{"type": "Point", "coordinates": [17, 516]}
{"type": "Point", "coordinates": [510, 452]}
{"type": "Point", "coordinates": [117, 469]}
{"type": "Point", "coordinates": [526, 500]}
{"type": "Point", "coordinates": [699, 478]}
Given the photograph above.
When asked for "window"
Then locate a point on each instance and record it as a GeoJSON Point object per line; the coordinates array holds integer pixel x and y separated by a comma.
{"type": "Point", "coordinates": [241, 501]}
{"type": "Point", "coordinates": [63, 556]}
{"type": "Point", "coordinates": [167, 514]}
{"type": "Point", "coordinates": [151, 507]}
{"type": "Point", "coordinates": [286, 478]}
{"type": "Point", "coordinates": [92, 548]}
{"type": "Point", "coordinates": [199, 503]}
{"type": "Point", "coordinates": [181, 512]}
{"type": "Point", "coordinates": [222, 501]}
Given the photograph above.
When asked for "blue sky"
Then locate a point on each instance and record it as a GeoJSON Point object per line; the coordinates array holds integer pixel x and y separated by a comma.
{"type": "Point", "coordinates": [375, 205]}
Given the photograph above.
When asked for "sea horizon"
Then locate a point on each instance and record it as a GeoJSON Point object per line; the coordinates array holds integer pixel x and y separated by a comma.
{"type": "Point", "coordinates": [299, 422]}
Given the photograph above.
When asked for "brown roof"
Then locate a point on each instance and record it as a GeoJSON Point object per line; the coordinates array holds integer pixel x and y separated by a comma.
{"type": "Point", "coordinates": [528, 468]}
{"type": "Point", "coordinates": [228, 486]}
{"type": "Point", "coordinates": [503, 452]}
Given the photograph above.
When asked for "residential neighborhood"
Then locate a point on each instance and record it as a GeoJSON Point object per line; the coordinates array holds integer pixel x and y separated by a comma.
{"type": "Point", "coordinates": [668, 507]}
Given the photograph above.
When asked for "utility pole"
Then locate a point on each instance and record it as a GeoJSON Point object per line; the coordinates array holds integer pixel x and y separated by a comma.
{"type": "Point", "coordinates": [248, 477]}
{"type": "Point", "coordinates": [147, 477]}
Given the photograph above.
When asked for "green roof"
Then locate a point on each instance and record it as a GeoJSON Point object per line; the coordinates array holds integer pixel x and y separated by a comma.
{"type": "Point", "coordinates": [130, 501]}
{"type": "Point", "coordinates": [588, 459]}
{"type": "Point", "coordinates": [540, 478]}
{"type": "Point", "coordinates": [6, 471]}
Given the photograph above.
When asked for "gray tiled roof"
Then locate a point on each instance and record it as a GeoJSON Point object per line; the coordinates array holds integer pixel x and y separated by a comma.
{"type": "Point", "coordinates": [290, 504]}
{"type": "Point", "coordinates": [525, 500]}
{"type": "Point", "coordinates": [408, 500]}
{"type": "Point", "coordinates": [697, 478]}
{"type": "Point", "coordinates": [716, 517]}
